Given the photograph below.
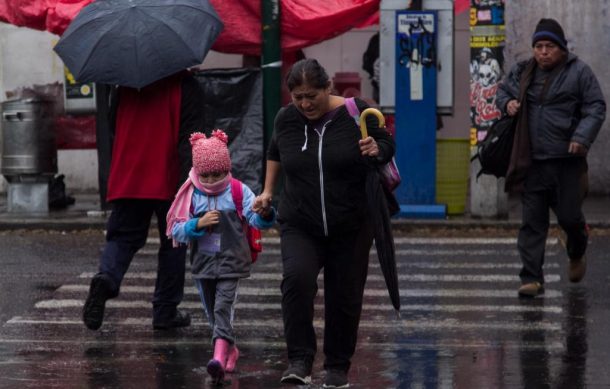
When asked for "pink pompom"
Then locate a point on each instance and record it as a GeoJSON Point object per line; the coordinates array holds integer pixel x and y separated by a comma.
{"type": "Point", "coordinates": [220, 134]}
{"type": "Point", "coordinates": [195, 136]}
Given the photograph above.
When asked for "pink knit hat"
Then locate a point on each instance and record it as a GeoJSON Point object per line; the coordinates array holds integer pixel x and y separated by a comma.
{"type": "Point", "coordinates": [210, 154]}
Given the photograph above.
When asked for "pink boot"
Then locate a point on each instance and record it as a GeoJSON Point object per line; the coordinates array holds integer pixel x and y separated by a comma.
{"type": "Point", "coordinates": [232, 359]}
{"type": "Point", "coordinates": [216, 366]}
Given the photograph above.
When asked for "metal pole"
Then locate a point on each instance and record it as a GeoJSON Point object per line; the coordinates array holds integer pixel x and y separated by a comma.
{"type": "Point", "coordinates": [271, 66]}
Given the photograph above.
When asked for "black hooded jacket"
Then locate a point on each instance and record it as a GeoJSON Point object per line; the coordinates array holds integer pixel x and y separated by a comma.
{"type": "Point", "coordinates": [324, 187]}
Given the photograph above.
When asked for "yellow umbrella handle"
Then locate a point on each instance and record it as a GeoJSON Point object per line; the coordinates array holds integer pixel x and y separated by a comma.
{"type": "Point", "coordinates": [367, 112]}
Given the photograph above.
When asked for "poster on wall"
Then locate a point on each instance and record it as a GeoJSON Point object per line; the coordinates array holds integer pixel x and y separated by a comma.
{"type": "Point", "coordinates": [487, 40]}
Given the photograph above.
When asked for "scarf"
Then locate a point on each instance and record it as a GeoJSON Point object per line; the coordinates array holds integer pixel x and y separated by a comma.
{"type": "Point", "coordinates": [521, 158]}
{"type": "Point", "coordinates": [180, 209]}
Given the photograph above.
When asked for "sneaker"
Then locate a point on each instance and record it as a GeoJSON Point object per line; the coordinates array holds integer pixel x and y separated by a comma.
{"type": "Point", "coordinates": [336, 379]}
{"type": "Point", "coordinates": [93, 310]}
{"type": "Point", "coordinates": [577, 269]}
{"type": "Point", "coordinates": [531, 289]}
{"type": "Point", "coordinates": [298, 373]}
{"type": "Point", "coordinates": [182, 319]}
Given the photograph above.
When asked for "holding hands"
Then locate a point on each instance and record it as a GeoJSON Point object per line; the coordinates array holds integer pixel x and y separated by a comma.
{"type": "Point", "coordinates": [262, 204]}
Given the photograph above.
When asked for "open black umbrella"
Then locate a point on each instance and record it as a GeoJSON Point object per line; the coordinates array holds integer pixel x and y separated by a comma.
{"type": "Point", "coordinates": [378, 211]}
{"type": "Point", "coordinates": [136, 42]}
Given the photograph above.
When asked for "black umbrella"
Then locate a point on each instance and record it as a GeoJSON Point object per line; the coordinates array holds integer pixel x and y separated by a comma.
{"type": "Point", "coordinates": [379, 214]}
{"type": "Point", "coordinates": [136, 42]}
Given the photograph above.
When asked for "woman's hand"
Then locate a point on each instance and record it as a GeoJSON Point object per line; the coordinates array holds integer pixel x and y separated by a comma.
{"type": "Point", "coordinates": [209, 219]}
{"type": "Point", "coordinates": [368, 147]}
{"type": "Point", "coordinates": [262, 204]}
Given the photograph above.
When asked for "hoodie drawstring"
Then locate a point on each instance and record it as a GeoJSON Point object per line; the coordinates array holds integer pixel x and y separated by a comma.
{"type": "Point", "coordinates": [305, 144]}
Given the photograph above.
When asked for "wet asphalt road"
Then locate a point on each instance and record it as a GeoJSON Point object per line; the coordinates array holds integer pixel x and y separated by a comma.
{"type": "Point", "coordinates": [461, 326]}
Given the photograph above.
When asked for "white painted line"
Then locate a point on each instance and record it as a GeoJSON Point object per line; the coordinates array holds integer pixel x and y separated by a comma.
{"type": "Point", "coordinates": [405, 326]}
{"type": "Point", "coordinates": [272, 344]}
{"type": "Point", "coordinates": [430, 263]}
{"type": "Point", "coordinates": [436, 241]}
{"type": "Point", "coordinates": [254, 291]}
{"type": "Point", "coordinates": [402, 252]}
{"type": "Point", "coordinates": [436, 252]}
{"type": "Point", "coordinates": [121, 304]}
{"type": "Point", "coordinates": [416, 240]}
{"type": "Point", "coordinates": [462, 265]}
{"type": "Point", "coordinates": [127, 289]}
{"type": "Point", "coordinates": [549, 278]}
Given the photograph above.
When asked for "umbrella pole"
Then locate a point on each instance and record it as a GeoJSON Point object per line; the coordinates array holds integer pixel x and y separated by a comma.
{"type": "Point", "coordinates": [271, 64]}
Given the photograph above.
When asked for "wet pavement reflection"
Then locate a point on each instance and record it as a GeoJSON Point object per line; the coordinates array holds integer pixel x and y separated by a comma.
{"type": "Point", "coordinates": [462, 326]}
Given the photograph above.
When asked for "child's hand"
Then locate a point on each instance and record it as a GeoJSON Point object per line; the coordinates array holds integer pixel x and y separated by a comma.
{"type": "Point", "coordinates": [266, 213]}
{"type": "Point", "coordinates": [210, 218]}
{"type": "Point", "coordinates": [262, 204]}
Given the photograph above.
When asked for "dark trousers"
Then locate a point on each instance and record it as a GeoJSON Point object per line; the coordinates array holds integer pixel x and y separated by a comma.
{"type": "Point", "coordinates": [345, 261]}
{"type": "Point", "coordinates": [127, 230]}
{"type": "Point", "coordinates": [560, 185]}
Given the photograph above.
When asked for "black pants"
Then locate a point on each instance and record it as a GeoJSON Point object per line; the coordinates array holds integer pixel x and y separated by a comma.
{"type": "Point", "coordinates": [345, 261]}
{"type": "Point", "coordinates": [127, 230]}
{"type": "Point", "coordinates": [561, 185]}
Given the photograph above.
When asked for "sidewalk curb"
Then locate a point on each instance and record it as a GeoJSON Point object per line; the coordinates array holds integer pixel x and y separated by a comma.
{"type": "Point", "coordinates": [398, 225]}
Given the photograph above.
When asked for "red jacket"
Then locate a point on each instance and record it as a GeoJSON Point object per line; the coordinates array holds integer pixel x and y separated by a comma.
{"type": "Point", "coordinates": [145, 162]}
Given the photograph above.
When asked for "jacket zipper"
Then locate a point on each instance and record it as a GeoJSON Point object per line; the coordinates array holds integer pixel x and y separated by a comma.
{"type": "Point", "coordinates": [323, 203]}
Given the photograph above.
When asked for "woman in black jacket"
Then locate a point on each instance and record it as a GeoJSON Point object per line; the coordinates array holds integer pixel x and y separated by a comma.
{"type": "Point", "coordinates": [322, 216]}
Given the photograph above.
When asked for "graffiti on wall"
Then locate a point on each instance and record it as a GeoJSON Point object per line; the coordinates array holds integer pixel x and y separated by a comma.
{"type": "Point", "coordinates": [487, 40]}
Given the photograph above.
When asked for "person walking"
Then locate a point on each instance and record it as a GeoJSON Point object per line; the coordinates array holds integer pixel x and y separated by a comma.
{"type": "Point", "coordinates": [558, 121]}
{"type": "Point", "coordinates": [322, 217]}
{"type": "Point", "coordinates": [206, 214]}
{"type": "Point", "coordinates": [150, 149]}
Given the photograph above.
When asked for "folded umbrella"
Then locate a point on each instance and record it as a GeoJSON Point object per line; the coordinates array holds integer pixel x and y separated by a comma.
{"type": "Point", "coordinates": [379, 214]}
{"type": "Point", "coordinates": [136, 42]}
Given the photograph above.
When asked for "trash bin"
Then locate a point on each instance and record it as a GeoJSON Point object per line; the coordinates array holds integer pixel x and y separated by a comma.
{"type": "Point", "coordinates": [452, 169]}
{"type": "Point", "coordinates": [29, 153]}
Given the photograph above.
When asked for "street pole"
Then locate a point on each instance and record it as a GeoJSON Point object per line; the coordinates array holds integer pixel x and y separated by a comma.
{"type": "Point", "coordinates": [271, 67]}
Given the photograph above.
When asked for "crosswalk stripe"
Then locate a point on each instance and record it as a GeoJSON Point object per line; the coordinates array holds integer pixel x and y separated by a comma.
{"type": "Point", "coordinates": [415, 252]}
{"type": "Point", "coordinates": [417, 240]}
{"type": "Point", "coordinates": [279, 345]}
{"type": "Point", "coordinates": [374, 264]}
{"type": "Point", "coordinates": [420, 325]}
{"type": "Point", "coordinates": [431, 262]}
{"type": "Point", "coordinates": [401, 264]}
{"type": "Point", "coordinates": [120, 304]}
{"type": "Point", "coordinates": [549, 278]}
{"type": "Point", "coordinates": [262, 291]}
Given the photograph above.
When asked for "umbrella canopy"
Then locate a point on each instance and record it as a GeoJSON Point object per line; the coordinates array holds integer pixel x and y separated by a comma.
{"type": "Point", "coordinates": [379, 214]}
{"type": "Point", "coordinates": [136, 42]}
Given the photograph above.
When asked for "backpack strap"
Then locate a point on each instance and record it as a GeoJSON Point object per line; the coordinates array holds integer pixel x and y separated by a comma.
{"type": "Point", "coordinates": [238, 196]}
{"type": "Point", "coordinates": [352, 109]}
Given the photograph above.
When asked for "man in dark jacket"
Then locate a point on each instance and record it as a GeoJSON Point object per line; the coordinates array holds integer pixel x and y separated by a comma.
{"type": "Point", "coordinates": [563, 110]}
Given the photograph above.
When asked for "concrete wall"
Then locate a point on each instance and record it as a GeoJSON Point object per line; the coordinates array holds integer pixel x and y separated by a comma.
{"type": "Point", "coordinates": [587, 27]}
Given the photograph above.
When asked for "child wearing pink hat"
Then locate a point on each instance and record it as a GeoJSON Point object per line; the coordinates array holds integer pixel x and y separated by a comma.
{"type": "Point", "coordinates": [205, 216]}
